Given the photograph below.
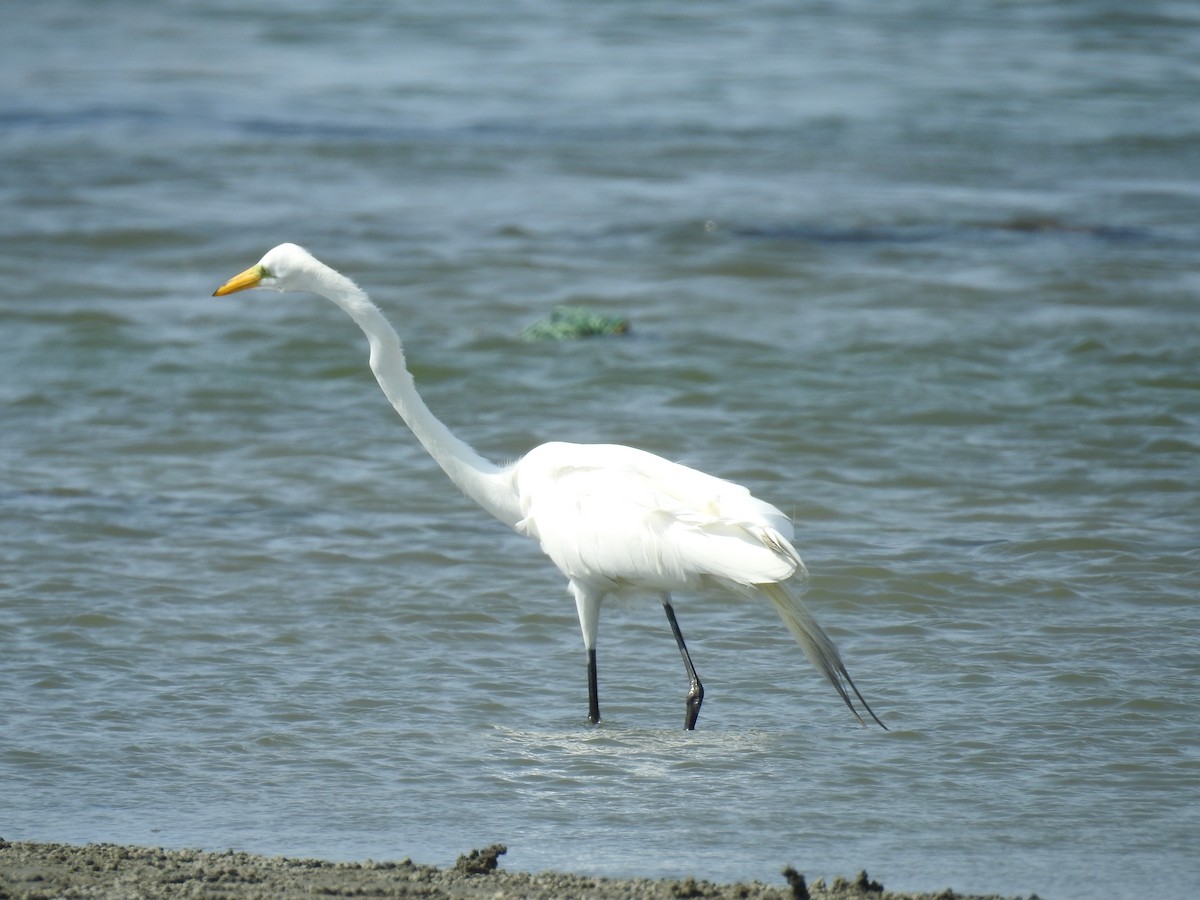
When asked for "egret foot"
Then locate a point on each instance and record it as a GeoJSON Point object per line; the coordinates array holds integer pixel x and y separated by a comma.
{"type": "Point", "coordinates": [694, 698]}
{"type": "Point", "coordinates": [695, 695]}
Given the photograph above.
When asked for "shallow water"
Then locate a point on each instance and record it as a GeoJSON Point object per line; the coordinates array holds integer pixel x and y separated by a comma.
{"type": "Point", "coordinates": [922, 275]}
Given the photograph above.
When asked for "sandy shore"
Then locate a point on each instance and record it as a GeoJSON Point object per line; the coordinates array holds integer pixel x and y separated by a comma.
{"type": "Point", "coordinates": [31, 870]}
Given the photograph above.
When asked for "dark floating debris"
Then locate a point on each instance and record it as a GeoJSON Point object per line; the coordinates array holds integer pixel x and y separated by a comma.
{"type": "Point", "coordinates": [569, 323]}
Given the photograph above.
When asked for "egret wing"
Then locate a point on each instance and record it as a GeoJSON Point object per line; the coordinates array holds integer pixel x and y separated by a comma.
{"type": "Point", "coordinates": [612, 513]}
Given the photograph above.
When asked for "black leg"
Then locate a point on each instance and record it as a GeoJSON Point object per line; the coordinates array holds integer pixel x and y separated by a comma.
{"type": "Point", "coordinates": [593, 690]}
{"type": "Point", "coordinates": [696, 692]}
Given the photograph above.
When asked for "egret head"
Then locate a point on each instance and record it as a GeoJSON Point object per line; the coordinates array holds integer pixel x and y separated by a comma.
{"type": "Point", "coordinates": [284, 268]}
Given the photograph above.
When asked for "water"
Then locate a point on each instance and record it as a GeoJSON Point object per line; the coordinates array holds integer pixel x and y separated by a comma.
{"type": "Point", "coordinates": [922, 274]}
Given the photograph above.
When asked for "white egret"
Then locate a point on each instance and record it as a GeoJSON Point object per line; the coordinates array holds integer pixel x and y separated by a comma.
{"type": "Point", "coordinates": [613, 519]}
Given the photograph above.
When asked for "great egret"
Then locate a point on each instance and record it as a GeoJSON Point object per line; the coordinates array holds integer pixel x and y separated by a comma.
{"type": "Point", "coordinates": [613, 519]}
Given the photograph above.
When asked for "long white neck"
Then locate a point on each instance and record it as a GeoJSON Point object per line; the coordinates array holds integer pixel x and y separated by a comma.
{"type": "Point", "coordinates": [489, 485]}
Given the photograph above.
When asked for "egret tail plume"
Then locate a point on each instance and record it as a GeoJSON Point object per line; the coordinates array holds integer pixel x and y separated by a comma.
{"type": "Point", "coordinates": [817, 646]}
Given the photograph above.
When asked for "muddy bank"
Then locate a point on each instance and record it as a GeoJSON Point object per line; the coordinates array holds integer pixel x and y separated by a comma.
{"type": "Point", "coordinates": [31, 870]}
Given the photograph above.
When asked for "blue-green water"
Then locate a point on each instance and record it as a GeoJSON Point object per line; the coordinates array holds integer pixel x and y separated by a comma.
{"type": "Point", "coordinates": [922, 274]}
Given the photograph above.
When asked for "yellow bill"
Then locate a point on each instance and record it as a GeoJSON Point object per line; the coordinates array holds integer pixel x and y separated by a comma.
{"type": "Point", "coordinates": [248, 279]}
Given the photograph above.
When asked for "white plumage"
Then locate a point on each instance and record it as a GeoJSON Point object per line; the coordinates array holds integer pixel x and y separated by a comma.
{"type": "Point", "coordinates": [618, 516]}
{"type": "Point", "coordinates": [612, 518]}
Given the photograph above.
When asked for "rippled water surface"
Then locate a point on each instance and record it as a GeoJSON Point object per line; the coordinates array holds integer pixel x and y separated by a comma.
{"type": "Point", "coordinates": [922, 274]}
